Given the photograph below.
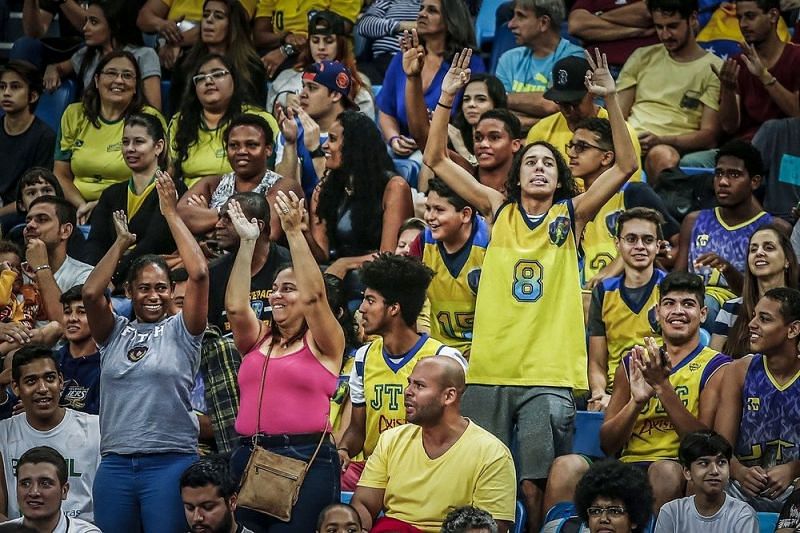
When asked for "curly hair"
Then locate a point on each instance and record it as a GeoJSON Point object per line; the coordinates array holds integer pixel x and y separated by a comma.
{"type": "Point", "coordinates": [616, 480]}
{"type": "Point", "coordinates": [399, 280]}
{"type": "Point", "coordinates": [468, 518]}
{"type": "Point", "coordinates": [191, 111]}
{"type": "Point", "coordinates": [567, 186]}
{"type": "Point", "coordinates": [91, 96]}
{"type": "Point", "coordinates": [366, 162]}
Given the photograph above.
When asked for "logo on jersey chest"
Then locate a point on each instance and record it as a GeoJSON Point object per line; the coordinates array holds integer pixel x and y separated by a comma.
{"type": "Point", "coordinates": [753, 403]}
{"type": "Point", "coordinates": [611, 222]}
{"type": "Point", "coordinates": [136, 353]}
{"type": "Point", "coordinates": [702, 240]}
{"type": "Point", "coordinates": [558, 230]}
{"type": "Point", "coordinates": [386, 393]}
{"type": "Point", "coordinates": [75, 396]}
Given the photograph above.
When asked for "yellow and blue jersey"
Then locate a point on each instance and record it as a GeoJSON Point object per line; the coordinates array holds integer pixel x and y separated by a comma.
{"type": "Point", "coordinates": [454, 288]}
{"type": "Point", "coordinates": [598, 246]}
{"type": "Point", "coordinates": [654, 436]}
{"type": "Point", "coordinates": [529, 326]}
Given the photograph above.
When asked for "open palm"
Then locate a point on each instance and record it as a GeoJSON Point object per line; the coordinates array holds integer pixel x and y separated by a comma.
{"type": "Point", "coordinates": [458, 74]}
{"type": "Point", "coordinates": [599, 80]}
{"type": "Point", "coordinates": [413, 53]}
{"type": "Point", "coordinates": [247, 230]}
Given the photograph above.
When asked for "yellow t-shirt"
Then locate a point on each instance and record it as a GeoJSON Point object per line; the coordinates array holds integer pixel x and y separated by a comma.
{"type": "Point", "coordinates": [529, 327]}
{"type": "Point", "coordinates": [292, 15]}
{"type": "Point", "coordinates": [654, 436]}
{"type": "Point", "coordinates": [208, 156]}
{"type": "Point", "coordinates": [554, 129]}
{"type": "Point", "coordinates": [94, 154]}
{"type": "Point", "coordinates": [193, 9]}
{"type": "Point", "coordinates": [670, 96]}
{"type": "Point", "coordinates": [477, 470]}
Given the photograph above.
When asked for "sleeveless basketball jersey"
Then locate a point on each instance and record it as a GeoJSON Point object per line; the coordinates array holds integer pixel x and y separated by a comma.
{"type": "Point", "coordinates": [529, 326]}
{"type": "Point", "coordinates": [598, 236]}
{"type": "Point", "coordinates": [654, 437]}
{"type": "Point", "coordinates": [454, 287]}
{"type": "Point", "coordinates": [711, 234]}
{"type": "Point", "coordinates": [769, 432]}
{"type": "Point", "coordinates": [385, 382]}
{"type": "Point", "coordinates": [628, 322]}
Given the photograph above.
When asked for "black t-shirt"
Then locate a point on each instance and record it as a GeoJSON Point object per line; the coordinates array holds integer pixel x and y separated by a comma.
{"type": "Point", "coordinates": [639, 194]}
{"type": "Point", "coordinates": [260, 286]}
{"type": "Point", "coordinates": [32, 148]}
{"type": "Point", "coordinates": [65, 28]}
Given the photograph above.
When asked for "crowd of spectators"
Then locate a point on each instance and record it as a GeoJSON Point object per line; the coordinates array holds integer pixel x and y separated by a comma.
{"type": "Point", "coordinates": [602, 224]}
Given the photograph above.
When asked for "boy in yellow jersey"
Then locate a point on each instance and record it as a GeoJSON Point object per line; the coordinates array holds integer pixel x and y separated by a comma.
{"type": "Point", "coordinates": [440, 460]}
{"type": "Point", "coordinates": [394, 294]}
{"type": "Point", "coordinates": [529, 348]}
{"type": "Point", "coordinates": [660, 394]}
{"type": "Point", "coordinates": [622, 312]}
{"type": "Point", "coordinates": [453, 245]}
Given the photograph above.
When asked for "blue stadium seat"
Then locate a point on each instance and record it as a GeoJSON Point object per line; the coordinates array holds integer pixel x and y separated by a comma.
{"type": "Point", "coordinates": [705, 337]}
{"type": "Point", "coordinates": [587, 433]}
{"type": "Point", "coordinates": [52, 105]}
{"type": "Point", "coordinates": [767, 522]}
{"type": "Point", "coordinates": [485, 21]}
{"type": "Point", "coordinates": [346, 497]}
{"type": "Point", "coordinates": [408, 169]}
{"type": "Point", "coordinates": [504, 41]}
{"type": "Point", "coordinates": [166, 105]}
{"type": "Point", "coordinates": [376, 89]}
{"type": "Point", "coordinates": [520, 518]}
{"type": "Point", "coordinates": [691, 171]}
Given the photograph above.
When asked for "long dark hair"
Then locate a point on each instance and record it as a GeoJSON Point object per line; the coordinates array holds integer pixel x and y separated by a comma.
{"type": "Point", "coordinates": [154, 129]}
{"type": "Point", "coordinates": [121, 32]}
{"type": "Point", "coordinates": [239, 50]}
{"type": "Point", "coordinates": [91, 96]}
{"type": "Point", "coordinates": [738, 343]}
{"type": "Point", "coordinates": [460, 32]}
{"type": "Point", "coordinates": [366, 162]}
{"type": "Point", "coordinates": [191, 119]}
{"type": "Point", "coordinates": [497, 94]}
{"type": "Point", "coordinates": [567, 186]}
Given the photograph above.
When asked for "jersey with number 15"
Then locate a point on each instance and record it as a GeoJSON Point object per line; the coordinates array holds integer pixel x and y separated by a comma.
{"type": "Point", "coordinates": [529, 327]}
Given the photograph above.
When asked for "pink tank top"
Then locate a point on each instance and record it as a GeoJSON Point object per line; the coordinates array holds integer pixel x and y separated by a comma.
{"type": "Point", "coordinates": [296, 396]}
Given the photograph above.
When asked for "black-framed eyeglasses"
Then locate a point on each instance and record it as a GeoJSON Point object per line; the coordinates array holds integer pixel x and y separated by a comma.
{"type": "Point", "coordinates": [581, 146]}
{"type": "Point", "coordinates": [112, 74]}
{"type": "Point", "coordinates": [213, 76]}
{"type": "Point", "coordinates": [612, 511]}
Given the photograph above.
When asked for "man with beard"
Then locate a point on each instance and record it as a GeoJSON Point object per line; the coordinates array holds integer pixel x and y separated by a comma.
{"type": "Point", "coordinates": [209, 497]}
{"type": "Point", "coordinates": [761, 83]}
{"type": "Point", "coordinates": [410, 476]}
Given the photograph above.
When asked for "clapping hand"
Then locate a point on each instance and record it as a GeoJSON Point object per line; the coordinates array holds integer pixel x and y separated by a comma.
{"type": "Point", "coordinates": [247, 230]}
{"type": "Point", "coordinates": [458, 74]}
{"type": "Point", "coordinates": [287, 124]}
{"type": "Point", "coordinates": [291, 211]}
{"type": "Point", "coordinates": [413, 53]}
{"type": "Point", "coordinates": [728, 75]}
{"type": "Point", "coordinates": [656, 365]}
{"type": "Point", "coordinates": [599, 81]}
{"type": "Point", "coordinates": [641, 391]}
{"type": "Point", "coordinates": [124, 235]}
{"type": "Point", "coordinates": [167, 194]}
{"type": "Point", "coordinates": [752, 61]}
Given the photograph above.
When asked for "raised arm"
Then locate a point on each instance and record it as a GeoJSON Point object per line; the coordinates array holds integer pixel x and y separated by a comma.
{"type": "Point", "coordinates": [326, 331]}
{"type": "Point", "coordinates": [600, 83]}
{"type": "Point", "coordinates": [245, 325]}
{"type": "Point", "coordinates": [485, 199]}
{"type": "Point", "coordinates": [100, 320]}
{"type": "Point", "coordinates": [416, 110]}
{"type": "Point", "coordinates": [195, 308]}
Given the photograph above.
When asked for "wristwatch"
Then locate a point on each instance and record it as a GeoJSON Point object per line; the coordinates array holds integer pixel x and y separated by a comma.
{"type": "Point", "coordinates": [318, 152]}
{"type": "Point", "coordinates": [288, 50]}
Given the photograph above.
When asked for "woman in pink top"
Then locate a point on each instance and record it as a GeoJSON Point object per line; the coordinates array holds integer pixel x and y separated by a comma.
{"type": "Point", "coordinates": [304, 344]}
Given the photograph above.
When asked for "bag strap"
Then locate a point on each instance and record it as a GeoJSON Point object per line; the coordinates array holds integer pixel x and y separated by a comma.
{"type": "Point", "coordinates": [261, 391]}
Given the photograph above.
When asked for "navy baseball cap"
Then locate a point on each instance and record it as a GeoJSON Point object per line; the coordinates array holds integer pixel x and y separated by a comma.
{"type": "Point", "coordinates": [335, 76]}
{"type": "Point", "coordinates": [569, 75]}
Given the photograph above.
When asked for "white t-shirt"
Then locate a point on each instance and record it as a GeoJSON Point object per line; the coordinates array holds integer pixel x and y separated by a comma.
{"type": "Point", "coordinates": [77, 438]}
{"type": "Point", "coordinates": [681, 516]}
{"type": "Point", "coordinates": [67, 525]}
{"type": "Point", "coordinates": [71, 273]}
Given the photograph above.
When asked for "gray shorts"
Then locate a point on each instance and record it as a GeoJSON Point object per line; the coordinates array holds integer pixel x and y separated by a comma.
{"type": "Point", "coordinates": [759, 503]}
{"type": "Point", "coordinates": [541, 418]}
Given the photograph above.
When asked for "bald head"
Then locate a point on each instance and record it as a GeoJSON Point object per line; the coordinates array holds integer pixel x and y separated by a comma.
{"type": "Point", "coordinates": [448, 370]}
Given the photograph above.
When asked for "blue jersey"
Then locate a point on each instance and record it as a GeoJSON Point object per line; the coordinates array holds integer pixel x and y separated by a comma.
{"type": "Point", "coordinates": [711, 234]}
{"type": "Point", "coordinates": [769, 432]}
{"type": "Point", "coordinates": [81, 381]}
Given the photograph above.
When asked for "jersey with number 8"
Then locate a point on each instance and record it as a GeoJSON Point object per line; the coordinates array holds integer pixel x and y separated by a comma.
{"type": "Point", "coordinates": [529, 317]}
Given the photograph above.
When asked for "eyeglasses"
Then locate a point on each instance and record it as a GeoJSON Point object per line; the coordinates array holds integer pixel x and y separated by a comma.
{"type": "Point", "coordinates": [581, 146]}
{"type": "Point", "coordinates": [213, 76]}
{"type": "Point", "coordinates": [112, 74]}
{"type": "Point", "coordinates": [632, 239]}
{"type": "Point", "coordinates": [613, 511]}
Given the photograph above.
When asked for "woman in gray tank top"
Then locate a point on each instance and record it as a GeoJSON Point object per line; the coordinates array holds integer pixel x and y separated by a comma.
{"type": "Point", "coordinates": [148, 429]}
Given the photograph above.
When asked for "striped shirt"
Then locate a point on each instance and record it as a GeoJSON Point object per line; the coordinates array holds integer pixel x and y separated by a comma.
{"type": "Point", "coordinates": [380, 24]}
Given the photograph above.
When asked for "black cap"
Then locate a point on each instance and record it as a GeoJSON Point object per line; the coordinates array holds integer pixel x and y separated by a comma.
{"type": "Point", "coordinates": [325, 23]}
{"type": "Point", "coordinates": [569, 75]}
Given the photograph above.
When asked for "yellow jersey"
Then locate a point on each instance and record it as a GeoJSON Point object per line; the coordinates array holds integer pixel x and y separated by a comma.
{"type": "Point", "coordinates": [598, 246]}
{"type": "Point", "coordinates": [292, 15]}
{"type": "Point", "coordinates": [208, 156]}
{"type": "Point", "coordinates": [379, 379]}
{"type": "Point", "coordinates": [94, 154]}
{"type": "Point", "coordinates": [529, 326]}
{"type": "Point", "coordinates": [454, 287]}
{"type": "Point", "coordinates": [654, 437]}
{"type": "Point", "coordinates": [626, 322]}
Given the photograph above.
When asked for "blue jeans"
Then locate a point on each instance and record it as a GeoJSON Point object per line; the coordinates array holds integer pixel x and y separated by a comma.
{"type": "Point", "coordinates": [320, 488]}
{"type": "Point", "coordinates": [141, 492]}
